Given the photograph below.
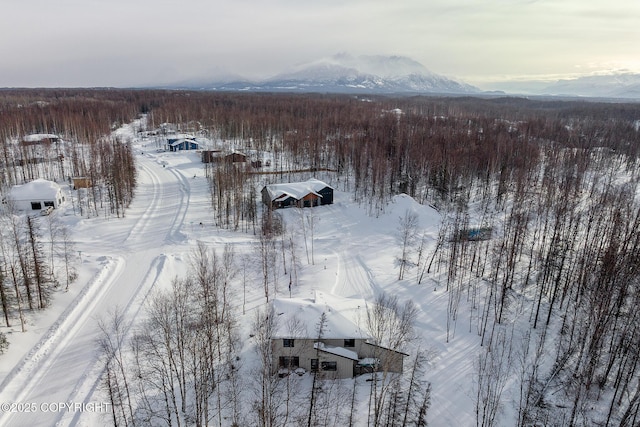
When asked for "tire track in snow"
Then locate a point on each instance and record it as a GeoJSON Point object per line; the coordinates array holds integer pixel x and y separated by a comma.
{"type": "Point", "coordinates": [354, 278]}
{"type": "Point", "coordinates": [29, 381]}
{"type": "Point", "coordinates": [93, 374]}
{"type": "Point", "coordinates": [185, 190]}
{"type": "Point", "coordinates": [18, 385]}
{"type": "Point", "coordinates": [46, 344]}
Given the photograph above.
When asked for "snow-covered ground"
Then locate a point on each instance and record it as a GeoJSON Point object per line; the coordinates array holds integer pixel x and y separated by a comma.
{"type": "Point", "coordinates": [55, 363]}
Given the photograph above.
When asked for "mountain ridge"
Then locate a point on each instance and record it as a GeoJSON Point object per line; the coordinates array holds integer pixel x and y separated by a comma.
{"type": "Point", "coordinates": [344, 73]}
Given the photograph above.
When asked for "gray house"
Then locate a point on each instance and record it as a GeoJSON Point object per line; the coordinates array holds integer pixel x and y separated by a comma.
{"type": "Point", "coordinates": [341, 350]}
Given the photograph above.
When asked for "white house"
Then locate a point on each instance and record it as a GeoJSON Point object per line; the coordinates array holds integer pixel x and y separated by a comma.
{"type": "Point", "coordinates": [36, 195]}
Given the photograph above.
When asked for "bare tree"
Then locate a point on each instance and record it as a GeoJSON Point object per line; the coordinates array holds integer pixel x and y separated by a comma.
{"type": "Point", "coordinates": [407, 230]}
{"type": "Point", "coordinates": [390, 326]}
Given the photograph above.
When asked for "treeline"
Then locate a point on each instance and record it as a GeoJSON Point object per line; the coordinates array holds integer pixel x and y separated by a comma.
{"type": "Point", "coordinates": [433, 149]}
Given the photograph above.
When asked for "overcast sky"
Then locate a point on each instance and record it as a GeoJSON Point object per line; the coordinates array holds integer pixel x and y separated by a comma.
{"type": "Point", "coordinates": [138, 42]}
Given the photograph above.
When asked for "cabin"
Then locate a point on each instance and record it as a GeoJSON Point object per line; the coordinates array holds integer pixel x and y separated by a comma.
{"type": "Point", "coordinates": [36, 195]}
{"type": "Point", "coordinates": [342, 350]}
{"type": "Point", "coordinates": [299, 194]}
{"type": "Point", "coordinates": [235, 157]}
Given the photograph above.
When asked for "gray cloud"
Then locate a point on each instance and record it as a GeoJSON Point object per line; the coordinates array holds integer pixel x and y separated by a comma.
{"type": "Point", "coordinates": [121, 43]}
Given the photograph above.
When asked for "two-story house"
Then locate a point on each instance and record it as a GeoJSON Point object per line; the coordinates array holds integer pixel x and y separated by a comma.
{"type": "Point", "coordinates": [327, 334]}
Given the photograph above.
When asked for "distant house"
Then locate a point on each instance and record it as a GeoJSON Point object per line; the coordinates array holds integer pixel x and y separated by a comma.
{"type": "Point", "coordinates": [301, 194]}
{"type": "Point", "coordinates": [235, 157]}
{"type": "Point", "coordinates": [39, 139]}
{"type": "Point", "coordinates": [183, 145]}
{"type": "Point", "coordinates": [343, 349]}
{"type": "Point", "coordinates": [218, 156]}
{"type": "Point", "coordinates": [36, 195]}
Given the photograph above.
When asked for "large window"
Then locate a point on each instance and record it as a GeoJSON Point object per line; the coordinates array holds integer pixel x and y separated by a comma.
{"type": "Point", "coordinates": [289, 362]}
{"type": "Point", "coordinates": [350, 343]}
{"type": "Point", "coordinates": [36, 205]}
{"type": "Point", "coordinates": [287, 342]}
{"type": "Point", "coordinates": [329, 366]}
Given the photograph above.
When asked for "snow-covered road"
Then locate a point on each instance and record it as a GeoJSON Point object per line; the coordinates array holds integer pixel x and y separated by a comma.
{"type": "Point", "coordinates": [133, 260]}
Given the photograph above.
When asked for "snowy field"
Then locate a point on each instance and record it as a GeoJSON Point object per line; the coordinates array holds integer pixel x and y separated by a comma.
{"type": "Point", "coordinates": [122, 261]}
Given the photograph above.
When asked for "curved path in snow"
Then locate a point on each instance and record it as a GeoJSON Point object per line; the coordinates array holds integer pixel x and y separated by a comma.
{"type": "Point", "coordinates": [63, 366]}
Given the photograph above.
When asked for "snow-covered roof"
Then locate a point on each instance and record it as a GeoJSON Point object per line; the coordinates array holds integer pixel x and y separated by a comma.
{"type": "Point", "coordinates": [338, 351]}
{"type": "Point", "coordinates": [38, 189]}
{"type": "Point", "coordinates": [300, 317]}
{"type": "Point", "coordinates": [180, 136]}
{"type": "Point", "coordinates": [35, 137]}
{"type": "Point", "coordinates": [181, 140]}
{"type": "Point", "coordinates": [297, 190]}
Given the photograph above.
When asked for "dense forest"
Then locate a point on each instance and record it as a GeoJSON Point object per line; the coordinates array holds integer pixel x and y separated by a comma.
{"type": "Point", "coordinates": [554, 183]}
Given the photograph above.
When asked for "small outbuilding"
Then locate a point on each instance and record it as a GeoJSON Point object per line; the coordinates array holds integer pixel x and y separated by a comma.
{"type": "Point", "coordinates": [36, 195]}
{"type": "Point", "coordinates": [81, 182]}
{"type": "Point", "coordinates": [301, 194]}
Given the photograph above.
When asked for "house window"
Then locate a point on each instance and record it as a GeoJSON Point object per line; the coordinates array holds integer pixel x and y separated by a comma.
{"type": "Point", "coordinates": [52, 204]}
{"type": "Point", "coordinates": [289, 362]}
{"type": "Point", "coordinates": [36, 205]}
{"type": "Point", "coordinates": [314, 365]}
{"type": "Point", "coordinates": [350, 343]}
{"type": "Point", "coordinates": [287, 342]}
{"type": "Point", "coordinates": [329, 366]}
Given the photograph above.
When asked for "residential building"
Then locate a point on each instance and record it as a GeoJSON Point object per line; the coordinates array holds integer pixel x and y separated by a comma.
{"type": "Point", "coordinates": [301, 194]}
{"type": "Point", "coordinates": [341, 348]}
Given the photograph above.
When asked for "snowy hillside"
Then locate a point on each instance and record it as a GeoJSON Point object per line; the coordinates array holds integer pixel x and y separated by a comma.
{"type": "Point", "coordinates": [626, 85]}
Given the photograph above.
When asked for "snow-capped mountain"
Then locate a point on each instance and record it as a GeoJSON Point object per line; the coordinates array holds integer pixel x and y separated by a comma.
{"type": "Point", "coordinates": [623, 85]}
{"type": "Point", "coordinates": [345, 73]}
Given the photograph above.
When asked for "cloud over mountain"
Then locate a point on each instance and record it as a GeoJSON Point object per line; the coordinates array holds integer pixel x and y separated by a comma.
{"type": "Point", "coordinates": [345, 73]}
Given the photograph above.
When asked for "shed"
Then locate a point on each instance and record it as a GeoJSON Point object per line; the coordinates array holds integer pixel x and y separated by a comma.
{"type": "Point", "coordinates": [81, 182]}
{"type": "Point", "coordinates": [36, 195]}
